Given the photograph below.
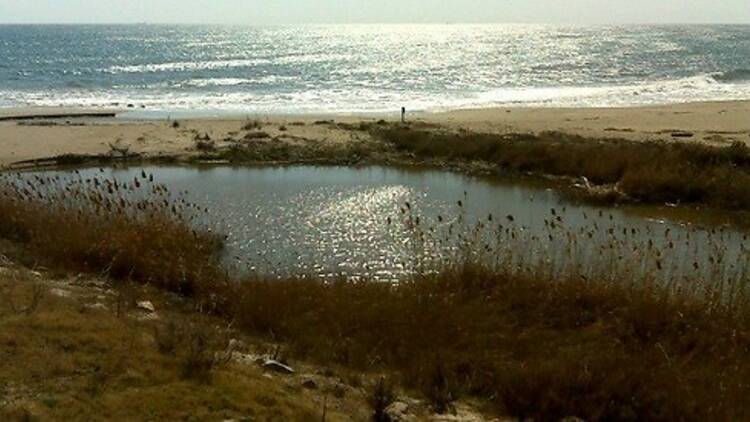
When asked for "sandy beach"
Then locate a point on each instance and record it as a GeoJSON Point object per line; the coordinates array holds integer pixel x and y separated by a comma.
{"type": "Point", "coordinates": [715, 123]}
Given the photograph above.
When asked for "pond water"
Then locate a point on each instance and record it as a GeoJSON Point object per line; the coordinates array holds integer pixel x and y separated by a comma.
{"type": "Point", "coordinates": [382, 223]}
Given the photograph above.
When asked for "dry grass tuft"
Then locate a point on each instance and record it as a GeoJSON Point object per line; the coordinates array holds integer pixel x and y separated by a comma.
{"type": "Point", "coordinates": [200, 348]}
{"type": "Point", "coordinates": [252, 125]}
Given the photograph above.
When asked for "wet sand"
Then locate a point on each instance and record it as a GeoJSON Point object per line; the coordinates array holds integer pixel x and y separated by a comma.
{"type": "Point", "coordinates": [715, 123]}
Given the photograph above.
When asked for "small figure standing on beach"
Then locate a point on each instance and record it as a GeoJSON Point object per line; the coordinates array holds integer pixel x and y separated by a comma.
{"type": "Point", "coordinates": [403, 114]}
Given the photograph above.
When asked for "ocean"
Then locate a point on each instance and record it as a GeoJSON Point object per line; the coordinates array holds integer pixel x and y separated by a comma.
{"type": "Point", "coordinates": [369, 68]}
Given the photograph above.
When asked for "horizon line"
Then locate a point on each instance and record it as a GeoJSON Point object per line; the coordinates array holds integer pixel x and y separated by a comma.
{"type": "Point", "coordinates": [374, 23]}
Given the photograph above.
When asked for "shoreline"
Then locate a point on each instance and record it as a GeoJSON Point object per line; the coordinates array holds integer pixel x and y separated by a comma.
{"type": "Point", "coordinates": [207, 114]}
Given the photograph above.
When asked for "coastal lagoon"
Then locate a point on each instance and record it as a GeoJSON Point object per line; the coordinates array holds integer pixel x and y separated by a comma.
{"type": "Point", "coordinates": [386, 223]}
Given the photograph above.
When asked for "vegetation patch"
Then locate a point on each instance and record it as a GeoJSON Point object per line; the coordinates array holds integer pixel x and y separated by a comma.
{"type": "Point", "coordinates": [128, 231]}
{"type": "Point", "coordinates": [655, 172]}
{"type": "Point", "coordinates": [67, 360]}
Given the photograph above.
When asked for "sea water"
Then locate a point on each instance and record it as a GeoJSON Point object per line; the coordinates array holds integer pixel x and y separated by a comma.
{"type": "Point", "coordinates": [369, 68]}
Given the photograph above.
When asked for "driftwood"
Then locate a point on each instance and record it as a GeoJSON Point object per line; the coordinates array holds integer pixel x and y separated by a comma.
{"type": "Point", "coordinates": [58, 116]}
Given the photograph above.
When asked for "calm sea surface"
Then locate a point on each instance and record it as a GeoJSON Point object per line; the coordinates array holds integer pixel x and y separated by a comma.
{"type": "Point", "coordinates": [371, 68]}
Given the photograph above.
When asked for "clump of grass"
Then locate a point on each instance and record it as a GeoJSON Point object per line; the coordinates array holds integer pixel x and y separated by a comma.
{"type": "Point", "coordinates": [265, 151]}
{"type": "Point", "coordinates": [205, 146]}
{"type": "Point", "coordinates": [645, 171]}
{"type": "Point", "coordinates": [361, 126]}
{"type": "Point", "coordinates": [252, 125]}
{"type": "Point", "coordinates": [256, 135]}
{"type": "Point", "coordinates": [199, 348]}
{"type": "Point", "coordinates": [202, 353]}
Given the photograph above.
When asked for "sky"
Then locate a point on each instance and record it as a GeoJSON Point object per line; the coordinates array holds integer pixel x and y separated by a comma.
{"type": "Point", "coordinates": [374, 11]}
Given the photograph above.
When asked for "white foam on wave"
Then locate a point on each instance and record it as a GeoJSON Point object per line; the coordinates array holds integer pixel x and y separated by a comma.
{"type": "Point", "coordinates": [185, 66]}
{"type": "Point", "coordinates": [209, 82]}
{"type": "Point", "coordinates": [374, 100]}
{"type": "Point", "coordinates": [691, 89]}
{"type": "Point", "coordinates": [201, 83]}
